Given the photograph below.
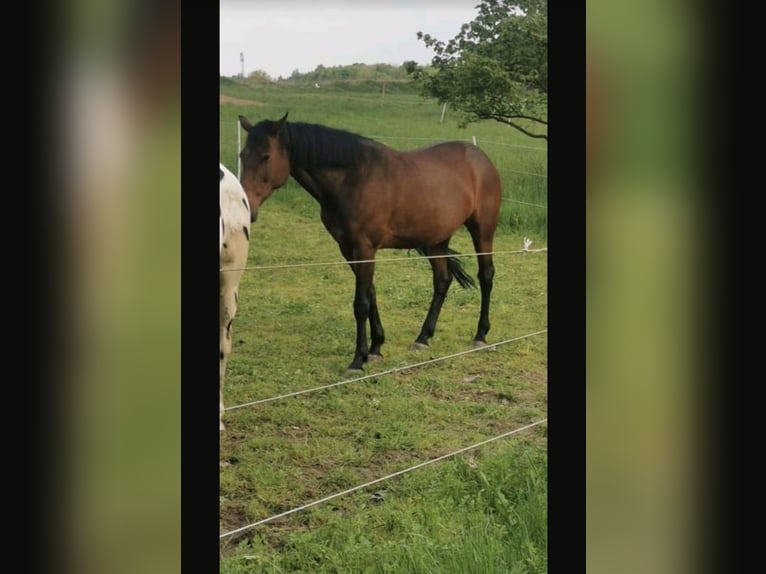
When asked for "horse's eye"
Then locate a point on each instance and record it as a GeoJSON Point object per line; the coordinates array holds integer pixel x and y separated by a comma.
{"type": "Point", "coordinates": [266, 157]}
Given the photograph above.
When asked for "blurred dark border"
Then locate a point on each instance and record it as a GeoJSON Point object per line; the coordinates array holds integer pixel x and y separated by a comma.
{"type": "Point", "coordinates": [200, 143]}
{"type": "Point", "coordinates": [566, 289]}
{"type": "Point", "coordinates": [34, 316]}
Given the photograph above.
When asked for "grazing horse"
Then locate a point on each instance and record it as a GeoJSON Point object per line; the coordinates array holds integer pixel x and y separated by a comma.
{"type": "Point", "coordinates": [373, 197]}
{"type": "Point", "coordinates": [234, 225]}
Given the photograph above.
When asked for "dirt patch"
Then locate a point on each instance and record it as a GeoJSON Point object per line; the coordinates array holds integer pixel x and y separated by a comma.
{"type": "Point", "coordinates": [232, 517]}
{"type": "Point", "coordinates": [239, 101]}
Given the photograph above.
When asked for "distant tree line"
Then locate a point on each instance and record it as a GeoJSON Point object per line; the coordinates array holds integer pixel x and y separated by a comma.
{"type": "Point", "coordinates": [351, 72]}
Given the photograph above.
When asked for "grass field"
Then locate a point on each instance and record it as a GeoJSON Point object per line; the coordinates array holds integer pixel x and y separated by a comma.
{"type": "Point", "coordinates": [484, 511]}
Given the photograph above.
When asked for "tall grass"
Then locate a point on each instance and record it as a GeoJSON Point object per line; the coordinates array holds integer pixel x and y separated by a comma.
{"type": "Point", "coordinates": [482, 514]}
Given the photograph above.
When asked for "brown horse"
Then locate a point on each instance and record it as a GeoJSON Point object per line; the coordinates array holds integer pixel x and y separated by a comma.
{"type": "Point", "coordinates": [373, 197]}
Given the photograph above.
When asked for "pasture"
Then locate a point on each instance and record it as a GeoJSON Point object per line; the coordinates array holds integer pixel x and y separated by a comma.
{"type": "Point", "coordinates": [482, 511]}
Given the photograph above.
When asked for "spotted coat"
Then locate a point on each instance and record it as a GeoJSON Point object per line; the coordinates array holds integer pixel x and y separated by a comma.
{"type": "Point", "coordinates": [234, 227]}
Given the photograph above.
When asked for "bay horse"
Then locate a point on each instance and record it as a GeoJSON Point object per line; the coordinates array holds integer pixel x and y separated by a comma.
{"type": "Point", "coordinates": [373, 197]}
{"type": "Point", "coordinates": [234, 226]}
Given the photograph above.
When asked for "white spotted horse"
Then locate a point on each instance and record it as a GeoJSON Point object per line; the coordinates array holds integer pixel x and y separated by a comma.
{"type": "Point", "coordinates": [234, 226]}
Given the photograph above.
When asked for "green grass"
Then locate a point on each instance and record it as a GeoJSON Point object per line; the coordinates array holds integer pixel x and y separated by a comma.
{"type": "Point", "coordinates": [484, 511]}
{"type": "Point", "coordinates": [478, 514]}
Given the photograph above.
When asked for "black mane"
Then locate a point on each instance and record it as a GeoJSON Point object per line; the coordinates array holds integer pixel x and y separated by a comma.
{"type": "Point", "coordinates": [316, 146]}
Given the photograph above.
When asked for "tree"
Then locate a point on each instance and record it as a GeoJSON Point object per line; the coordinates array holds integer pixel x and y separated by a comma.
{"type": "Point", "coordinates": [495, 68]}
{"type": "Point", "coordinates": [259, 76]}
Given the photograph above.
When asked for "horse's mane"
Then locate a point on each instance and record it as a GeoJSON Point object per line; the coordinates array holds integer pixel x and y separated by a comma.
{"type": "Point", "coordinates": [315, 146]}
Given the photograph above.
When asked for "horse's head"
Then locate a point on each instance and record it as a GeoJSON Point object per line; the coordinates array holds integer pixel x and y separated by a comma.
{"type": "Point", "coordinates": [265, 162]}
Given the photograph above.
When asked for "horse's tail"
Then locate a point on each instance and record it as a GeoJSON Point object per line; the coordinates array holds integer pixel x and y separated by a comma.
{"type": "Point", "coordinates": [455, 267]}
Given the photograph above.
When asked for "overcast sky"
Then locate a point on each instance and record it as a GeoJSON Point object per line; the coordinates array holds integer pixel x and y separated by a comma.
{"type": "Point", "coordinates": [279, 36]}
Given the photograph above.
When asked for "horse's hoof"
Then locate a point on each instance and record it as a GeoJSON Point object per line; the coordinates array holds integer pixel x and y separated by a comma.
{"type": "Point", "coordinates": [352, 373]}
{"type": "Point", "coordinates": [478, 344]}
{"type": "Point", "coordinates": [372, 358]}
{"type": "Point", "coordinates": [418, 346]}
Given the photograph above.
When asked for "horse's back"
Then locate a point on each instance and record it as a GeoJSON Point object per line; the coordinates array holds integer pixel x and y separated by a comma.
{"type": "Point", "coordinates": [455, 162]}
{"type": "Point", "coordinates": [456, 156]}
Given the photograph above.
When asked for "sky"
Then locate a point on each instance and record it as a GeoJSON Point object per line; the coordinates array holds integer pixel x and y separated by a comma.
{"type": "Point", "coordinates": [281, 36]}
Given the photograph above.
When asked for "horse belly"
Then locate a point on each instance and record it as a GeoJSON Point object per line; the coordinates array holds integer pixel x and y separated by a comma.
{"type": "Point", "coordinates": [407, 235]}
{"type": "Point", "coordinates": [423, 221]}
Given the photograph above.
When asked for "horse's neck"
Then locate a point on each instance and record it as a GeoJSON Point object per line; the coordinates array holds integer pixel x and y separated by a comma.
{"type": "Point", "coordinates": [311, 182]}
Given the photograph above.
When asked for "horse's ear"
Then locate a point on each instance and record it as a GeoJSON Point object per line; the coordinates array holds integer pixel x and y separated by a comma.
{"type": "Point", "coordinates": [280, 123]}
{"type": "Point", "coordinates": [245, 123]}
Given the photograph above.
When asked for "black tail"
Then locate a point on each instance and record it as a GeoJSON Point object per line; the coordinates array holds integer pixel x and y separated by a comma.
{"type": "Point", "coordinates": [455, 267]}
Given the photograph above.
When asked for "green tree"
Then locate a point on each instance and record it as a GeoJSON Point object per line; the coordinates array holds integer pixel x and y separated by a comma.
{"type": "Point", "coordinates": [259, 76]}
{"type": "Point", "coordinates": [495, 68]}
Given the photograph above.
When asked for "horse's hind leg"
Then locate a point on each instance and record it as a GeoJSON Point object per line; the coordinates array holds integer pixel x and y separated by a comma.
{"type": "Point", "coordinates": [442, 278]}
{"type": "Point", "coordinates": [229, 281]}
{"type": "Point", "coordinates": [226, 310]}
{"type": "Point", "coordinates": [482, 242]}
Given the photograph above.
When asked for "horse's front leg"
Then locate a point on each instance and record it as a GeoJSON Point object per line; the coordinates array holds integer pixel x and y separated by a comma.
{"type": "Point", "coordinates": [377, 334]}
{"type": "Point", "coordinates": [362, 298]}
